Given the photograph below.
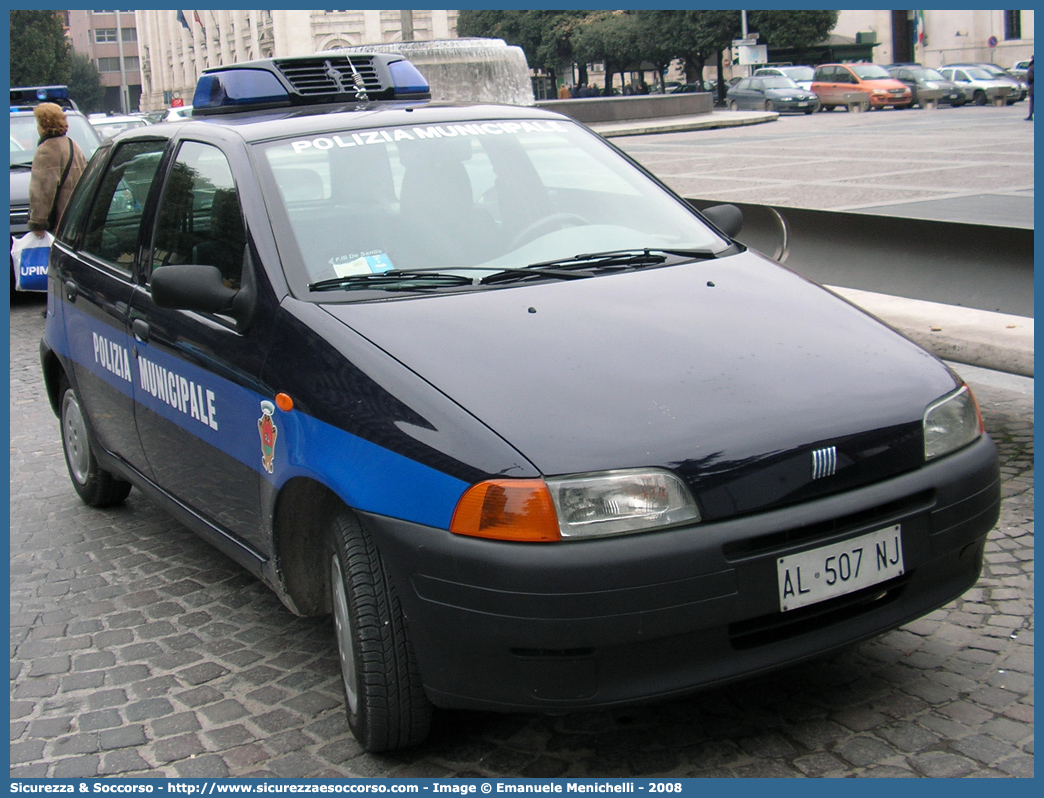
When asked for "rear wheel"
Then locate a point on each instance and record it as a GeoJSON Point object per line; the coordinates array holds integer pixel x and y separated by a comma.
{"type": "Point", "coordinates": [386, 704]}
{"type": "Point", "coordinates": [733, 106]}
{"type": "Point", "coordinates": [95, 486]}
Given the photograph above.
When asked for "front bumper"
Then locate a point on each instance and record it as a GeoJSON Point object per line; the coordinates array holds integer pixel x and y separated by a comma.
{"type": "Point", "coordinates": [553, 627]}
{"type": "Point", "coordinates": [795, 106]}
{"type": "Point", "coordinates": [897, 101]}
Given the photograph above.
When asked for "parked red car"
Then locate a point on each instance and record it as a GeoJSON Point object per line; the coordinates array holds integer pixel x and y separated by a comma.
{"type": "Point", "coordinates": [833, 82]}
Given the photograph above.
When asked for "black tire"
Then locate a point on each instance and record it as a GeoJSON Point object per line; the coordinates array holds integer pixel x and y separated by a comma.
{"type": "Point", "coordinates": [95, 486]}
{"type": "Point", "coordinates": [733, 106]}
{"type": "Point", "coordinates": [385, 700]}
{"type": "Point", "coordinates": [979, 98]}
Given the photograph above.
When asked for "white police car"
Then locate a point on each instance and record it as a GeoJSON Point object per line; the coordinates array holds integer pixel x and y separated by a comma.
{"type": "Point", "coordinates": [536, 433]}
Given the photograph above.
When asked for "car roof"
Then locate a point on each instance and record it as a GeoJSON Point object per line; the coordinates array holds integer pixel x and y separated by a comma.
{"type": "Point", "coordinates": [279, 123]}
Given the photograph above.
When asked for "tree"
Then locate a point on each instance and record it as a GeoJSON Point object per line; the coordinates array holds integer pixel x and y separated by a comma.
{"type": "Point", "coordinates": [613, 38]}
{"type": "Point", "coordinates": [696, 37]}
{"type": "Point", "coordinates": [85, 84]}
{"type": "Point", "coordinates": [792, 28]}
{"type": "Point", "coordinates": [39, 49]}
{"type": "Point", "coordinates": [544, 36]}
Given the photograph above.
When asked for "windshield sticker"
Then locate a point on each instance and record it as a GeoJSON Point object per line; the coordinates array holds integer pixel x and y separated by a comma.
{"type": "Point", "coordinates": [374, 262]}
{"type": "Point", "coordinates": [267, 430]}
{"type": "Point", "coordinates": [182, 394]}
{"type": "Point", "coordinates": [393, 135]}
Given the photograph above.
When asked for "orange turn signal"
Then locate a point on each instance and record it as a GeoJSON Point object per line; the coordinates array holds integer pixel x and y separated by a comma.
{"type": "Point", "coordinates": [284, 402]}
{"type": "Point", "coordinates": [507, 509]}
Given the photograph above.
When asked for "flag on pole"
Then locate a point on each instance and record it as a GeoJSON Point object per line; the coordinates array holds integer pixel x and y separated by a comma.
{"type": "Point", "coordinates": [198, 20]}
{"type": "Point", "coordinates": [919, 34]}
{"type": "Point", "coordinates": [183, 21]}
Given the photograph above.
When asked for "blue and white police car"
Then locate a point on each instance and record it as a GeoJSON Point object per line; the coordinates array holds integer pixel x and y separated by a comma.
{"type": "Point", "coordinates": [536, 433]}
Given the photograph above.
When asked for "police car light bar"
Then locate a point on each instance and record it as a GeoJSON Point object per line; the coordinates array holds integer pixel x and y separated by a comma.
{"type": "Point", "coordinates": [308, 80]}
{"type": "Point", "coordinates": [29, 96]}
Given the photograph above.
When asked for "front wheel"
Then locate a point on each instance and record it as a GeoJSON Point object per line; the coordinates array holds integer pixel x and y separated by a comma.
{"type": "Point", "coordinates": [733, 106]}
{"type": "Point", "coordinates": [386, 704]}
{"type": "Point", "coordinates": [95, 486]}
{"type": "Point", "coordinates": [979, 98]}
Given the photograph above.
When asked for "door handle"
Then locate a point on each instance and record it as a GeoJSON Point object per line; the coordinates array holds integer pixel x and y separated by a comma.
{"type": "Point", "coordinates": [140, 327]}
{"type": "Point", "coordinates": [71, 291]}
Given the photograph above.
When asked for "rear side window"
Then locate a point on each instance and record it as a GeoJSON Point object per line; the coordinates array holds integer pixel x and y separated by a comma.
{"type": "Point", "coordinates": [115, 216]}
{"type": "Point", "coordinates": [72, 219]}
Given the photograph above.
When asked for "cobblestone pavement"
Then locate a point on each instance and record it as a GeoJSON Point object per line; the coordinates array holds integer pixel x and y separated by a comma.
{"type": "Point", "coordinates": [138, 650]}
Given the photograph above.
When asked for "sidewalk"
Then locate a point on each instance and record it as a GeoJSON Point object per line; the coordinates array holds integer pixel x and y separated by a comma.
{"type": "Point", "coordinates": [997, 341]}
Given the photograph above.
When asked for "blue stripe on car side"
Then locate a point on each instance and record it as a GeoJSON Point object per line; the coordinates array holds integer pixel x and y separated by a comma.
{"type": "Point", "coordinates": [226, 415]}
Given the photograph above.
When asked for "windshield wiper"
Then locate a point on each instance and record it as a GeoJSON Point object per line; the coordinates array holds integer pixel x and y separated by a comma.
{"type": "Point", "coordinates": [625, 258]}
{"type": "Point", "coordinates": [420, 279]}
{"type": "Point", "coordinates": [395, 280]}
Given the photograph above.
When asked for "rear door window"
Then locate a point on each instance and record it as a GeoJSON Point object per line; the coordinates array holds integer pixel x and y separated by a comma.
{"type": "Point", "coordinates": [114, 222]}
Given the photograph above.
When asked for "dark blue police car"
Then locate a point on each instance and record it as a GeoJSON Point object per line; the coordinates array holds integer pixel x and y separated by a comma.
{"type": "Point", "coordinates": [538, 435]}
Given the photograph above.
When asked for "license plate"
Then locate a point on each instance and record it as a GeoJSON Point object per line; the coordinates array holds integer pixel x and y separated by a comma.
{"type": "Point", "coordinates": [802, 105]}
{"type": "Point", "coordinates": [840, 568]}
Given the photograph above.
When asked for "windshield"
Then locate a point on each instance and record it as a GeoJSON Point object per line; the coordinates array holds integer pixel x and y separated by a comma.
{"type": "Point", "coordinates": [778, 83]}
{"type": "Point", "coordinates": [869, 71]}
{"type": "Point", "coordinates": [798, 73]}
{"type": "Point", "coordinates": [24, 137]}
{"type": "Point", "coordinates": [480, 195]}
{"type": "Point", "coordinates": [978, 74]}
{"type": "Point", "coordinates": [928, 74]}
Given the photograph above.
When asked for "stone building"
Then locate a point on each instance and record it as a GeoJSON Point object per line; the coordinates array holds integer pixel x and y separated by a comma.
{"type": "Point", "coordinates": [936, 38]}
{"type": "Point", "coordinates": [176, 49]}
{"type": "Point", "coordinates": [110, 40]}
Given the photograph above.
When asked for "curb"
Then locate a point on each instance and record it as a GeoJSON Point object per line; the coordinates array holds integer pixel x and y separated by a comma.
{"type": "Point", "coordinates": [996, 341]}
{"type": "Point", "coordinates": [711, 121]}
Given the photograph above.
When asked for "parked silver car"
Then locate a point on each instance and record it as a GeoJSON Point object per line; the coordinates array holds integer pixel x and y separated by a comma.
{"type": "Point", "coordinates": [1020, 86]}
{"type": "Point", "coordinates": [801, 75]}
{"type": "Point", "coordinates": [978, 85]}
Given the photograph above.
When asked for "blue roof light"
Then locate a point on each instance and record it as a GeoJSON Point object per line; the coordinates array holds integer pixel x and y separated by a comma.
{"type": "Point", "coordinates": [234, 88]}
{"type": "Point", "coordinates": [407, 79]}
{"type": "Point", "coordinates": [308, 80]}
{"type": "Point", "coordinates": [33, 95]}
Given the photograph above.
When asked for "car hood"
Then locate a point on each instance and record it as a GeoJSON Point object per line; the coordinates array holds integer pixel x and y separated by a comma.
{"type": "Point", "coordinates": [730, 371]}
{"type": "Point", "coordinates": [883, 83]}
{"type": "Point", "coordinates": [800, 94]}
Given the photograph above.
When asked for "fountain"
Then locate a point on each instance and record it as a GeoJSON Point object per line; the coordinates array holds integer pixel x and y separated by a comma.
{"type": "Point", "coordinates": [465, 70]}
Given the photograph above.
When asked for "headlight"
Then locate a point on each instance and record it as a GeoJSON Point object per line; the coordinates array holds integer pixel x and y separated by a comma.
{"type": "Point", "coordinates": [951, 422]}
{"type": "Point", "coordinates": [785, 99]}
{"type": "Point", "coordinates": [618, 502]}
{"type": "Point", "coordinates": [574, 507]}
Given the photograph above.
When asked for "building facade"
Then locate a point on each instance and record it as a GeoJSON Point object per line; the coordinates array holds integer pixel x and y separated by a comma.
{"type": "Point", "coordinates": [937, 38]}
{"type": "Point", "coordinates": [110, 40]}
{"type": "Point", "coordinates": [177, 46]}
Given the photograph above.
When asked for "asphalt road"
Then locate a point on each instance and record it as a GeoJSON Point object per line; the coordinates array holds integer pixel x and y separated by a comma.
{"type": "Point", "coordinates": [138, 650]}
{"type": "Point", "coordinates": [969, 164]}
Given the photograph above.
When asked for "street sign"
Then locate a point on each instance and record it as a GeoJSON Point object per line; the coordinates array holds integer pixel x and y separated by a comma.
{"type": "Point", "coordinates": [748, 42]}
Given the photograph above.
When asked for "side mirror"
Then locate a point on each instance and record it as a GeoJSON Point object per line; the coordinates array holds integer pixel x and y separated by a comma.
{"type": "Point", "coordinates": [199, 287]}
{"type": "Point", "coordinates": [727, 218]}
